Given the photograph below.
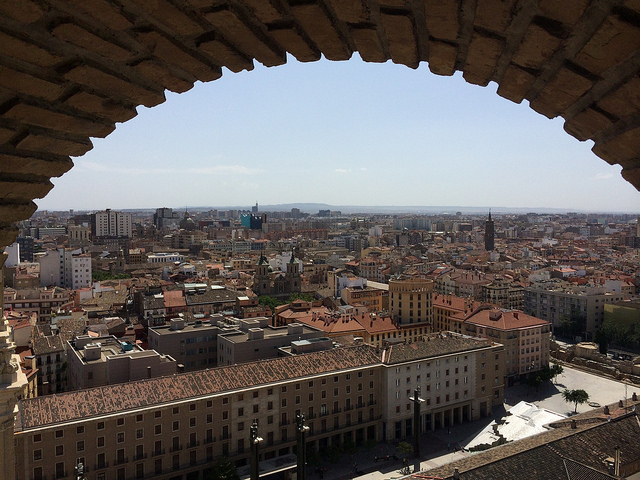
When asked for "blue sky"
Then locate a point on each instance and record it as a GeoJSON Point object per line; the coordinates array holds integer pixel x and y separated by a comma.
{"type": "Point", "coordinates": [341, 133]}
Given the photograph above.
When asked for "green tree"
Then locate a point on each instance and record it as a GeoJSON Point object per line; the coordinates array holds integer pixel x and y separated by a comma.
{"type": "Point", "coordinates": [602, 339]}
{"type": "Point", "coordinates": [575, 396]}
{"type": "Point", "coordinates": [307, 297]}
{"type": "Point", "coordinates": [222, 469]}
{"type": "Point", "coordinates": [405, 448]}
{"type": "Point", "coordinates": [556, 369]}
{"type": "Point", "coordinates": [268, 301]}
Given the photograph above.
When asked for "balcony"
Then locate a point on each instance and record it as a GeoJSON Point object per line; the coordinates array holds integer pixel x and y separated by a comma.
{"type": "Point", "coordinates": [158, 452]}
{"type": "Point", "coordinates": [141, 456]}
{"type": "Point", "coordinates": [194, 444]}
{"type": "Point", "coordinates": [372, 403]}
{"type": "Point", "coordinates": [176, 448]}
{"type": "Point", "coordinates": [120, 461]}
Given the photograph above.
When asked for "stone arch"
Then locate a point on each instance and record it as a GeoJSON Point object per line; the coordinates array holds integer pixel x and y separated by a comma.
{"type": "Point", "coordinates": [70, 70]}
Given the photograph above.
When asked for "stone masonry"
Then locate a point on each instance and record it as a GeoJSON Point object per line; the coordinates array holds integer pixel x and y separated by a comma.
{"type": "Point", "coordinates": [70, 70]}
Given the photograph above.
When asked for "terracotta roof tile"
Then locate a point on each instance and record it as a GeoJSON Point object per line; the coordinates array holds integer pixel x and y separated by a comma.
{"type": "Point", "coordinates": [64, 407]}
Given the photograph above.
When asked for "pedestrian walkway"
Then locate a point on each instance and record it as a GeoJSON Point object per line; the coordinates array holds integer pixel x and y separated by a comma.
{"type": "Point", "coordinates": [384, 461]}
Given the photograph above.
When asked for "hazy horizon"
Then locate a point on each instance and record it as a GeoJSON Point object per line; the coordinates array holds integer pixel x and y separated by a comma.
{"type": "Point", "coordinates": [343, 133]}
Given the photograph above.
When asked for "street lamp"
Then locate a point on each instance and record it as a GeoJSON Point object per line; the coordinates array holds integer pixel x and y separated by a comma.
{"type": "Point", "coordinates": [301, 430]}
{"type": "Point", "coordinates": [254, 441]}
{"type": "Point", "coordinates": [416, 420]}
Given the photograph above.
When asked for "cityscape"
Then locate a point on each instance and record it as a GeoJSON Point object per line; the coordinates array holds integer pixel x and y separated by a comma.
{"type": "Point", "coordinates": [162, 343]}
{"type": "Point", "coordinates": [319, 240]}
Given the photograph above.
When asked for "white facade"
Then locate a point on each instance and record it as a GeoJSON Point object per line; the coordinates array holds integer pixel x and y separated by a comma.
{"type": "Point", "coordinates": [113, 224]}
{"type": "Point", "coordinates": [165, 258]}
{"type": "Point", "coordinates": [77, 269]}
{"type": "Point", "coordinates": [13, 255]}
{"type": "Point", "coordinates": [65, 268]}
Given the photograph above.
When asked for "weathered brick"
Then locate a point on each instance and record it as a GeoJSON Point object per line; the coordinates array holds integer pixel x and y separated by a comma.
{"type": "Point", "coordinates": [614, 42]}
{"type": "Point", "coordinates": [244, 38]}
{"type": "Point", "coordinates": [442, 58]}
{"type": "Point", "coordinates": [536, 47]}
{"type": "Point", "coordinates": [8, 235]}
{"type": "Point", "coordinates": [631, 175]}
{"type": "Point", "coordinates": [402, 41]}
{"type": "Point", "coordinates": [624, 101]}
{"type": "Point", "coordinates": [482, 58]}
{"type": "Point", "coordinates": [159, 72]}
{"type": "Point", "coordinates": [34, 142]}
{"type": "Point", "coordinates": [80, 37]}
{"type": "Point", "coordinates": [587, 124]}
{"type": "Point", "coordinates": [101, 80]}
{"type": "Point", "coordinates": [28, 52]}
{"type": "Point", "coordinates": [264, 11]}
{"type": "Point", "coordinates": [25, 11]}
{"type": "Point", "coordinates": [442, 19]}
{"type": "Point", "coordinates": [368, 44]}
{"type": "Point", "coordinates": [107, 13]}
{"type": "Point", "coordinates": [560, 93]}
{"type": "Point", "coordinates": [6, 134]}
{"type": "Point", "coordinates": [515, 83]}
{"type": "Point", "coordinates": [164, 12]}
{"type": "Point", "coordinates": [565, 12]}
{"type": "Point", "coordinates": [622, 149]}
{"type": "Point", "coordinates": [14, 190]}
{"type": "Point", "coordinates": [225, 56]}
{"type": "Point", "coordinates": [321, 30]}
{"type": "Point", "coordinates": [494, 16]}
{"type": "Point", "coordinates": [167, 51]}
{"type": "Point", "coordinates": [16, 212]}
{"type": "Point", "coordinates": [350, 11]}
{"type": "Point", "coordinates": [61, 122]}
{"type": "Point", "coordinates": [29, 85]}
{"type": "Point", "coordinates": [292, 42]}
{"type": "Point", "coordinates": [101, 106]}
{"type": "Point", "coordinates": [29, 165]}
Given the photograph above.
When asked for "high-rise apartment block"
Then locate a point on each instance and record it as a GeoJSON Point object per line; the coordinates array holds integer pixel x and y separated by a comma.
{"type": "Point", "coordinates": [110, 223]}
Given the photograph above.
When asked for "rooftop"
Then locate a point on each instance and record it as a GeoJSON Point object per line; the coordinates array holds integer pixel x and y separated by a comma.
{"type": "Point", "coordinates": [111, 399]}
{"type": "Point", "coordinates": [435, 345]}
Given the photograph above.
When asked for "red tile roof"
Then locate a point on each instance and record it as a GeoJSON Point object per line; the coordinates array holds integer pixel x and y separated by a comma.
{"type": "Point", "coordinates": [110, 399]}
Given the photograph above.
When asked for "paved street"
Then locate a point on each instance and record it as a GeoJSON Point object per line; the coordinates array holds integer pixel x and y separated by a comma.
{"type": "Point", "coordinates": [601, 390]}
{"type": "Point", "coordinates": [437, 448]}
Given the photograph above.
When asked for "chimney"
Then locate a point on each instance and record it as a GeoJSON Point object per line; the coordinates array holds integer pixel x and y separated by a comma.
{"type": "Point", "coordinates": [180, 368]}
{"type": "Point", "coordinates": [616, 467]}
{"type": "Point", "coordinates": [606, 409]}
{"type": "Point", "coordinates": [634, 397]}
{"type": "Point", "coordinates": [573, 424]}
{"type": "Point", "coordinates": [456, 474]}
{"type": "Point", "coordinates": [149, 372]}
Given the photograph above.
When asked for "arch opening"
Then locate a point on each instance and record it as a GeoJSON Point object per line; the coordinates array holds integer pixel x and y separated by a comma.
{"type": "Point", "coordinates": [346, 133]}
{"type": "Point", "coordinates": [71, 72]}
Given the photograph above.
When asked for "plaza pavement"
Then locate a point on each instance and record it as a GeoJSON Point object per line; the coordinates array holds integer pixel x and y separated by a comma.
{"type": "Point", "coordinates": [440, 447]}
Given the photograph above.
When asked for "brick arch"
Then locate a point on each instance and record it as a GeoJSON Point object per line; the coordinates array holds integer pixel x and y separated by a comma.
{"type": "Point", "coordinates": [72, 69]}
